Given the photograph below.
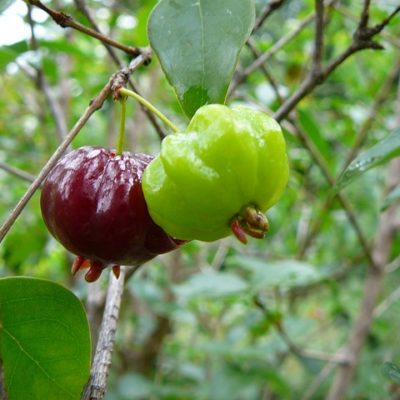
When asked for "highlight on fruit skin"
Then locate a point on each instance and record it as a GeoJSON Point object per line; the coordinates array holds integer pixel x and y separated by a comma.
{"type": "Point", "coordinates": [218, 176]}
{"type": "Point", "coordinates": [92, 203]}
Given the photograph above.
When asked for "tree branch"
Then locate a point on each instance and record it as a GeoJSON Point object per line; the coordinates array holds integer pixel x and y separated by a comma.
{"type": "Point", "coordinates": [241, 77]}
{"type": "Point", "coordinates": [268, 10]}
{"type": "Point", "coordinates": [65, 21]}
{"type": "Point", "coordinates": [265, 71]}
{"type": "Point", "coordinates": [294, 348]}
{"type": "Point", "coordinates": [362, 39]}
{"type": "Point", "coordinates": [55, 108]}
{"type": "Point", "coordinates": [94, 105]}
{"type": "Point", "coordinates": [319, 37]}
{"type": "Point", "coordinates": [373, 283]}
{"type": "Point", "coordinates": [17, 172]}
{"type": "Point", "coordinates": [96, 387]}
{"type": "Point", "coordinates": [331, 179]}
{"type": "Point", "coordinates": [262, 59]}
{"type": "Point", "coordinates": [380, 98]}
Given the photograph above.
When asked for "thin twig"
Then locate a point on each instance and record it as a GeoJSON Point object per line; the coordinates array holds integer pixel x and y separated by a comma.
{"type": "Point", "coordinates": [55, 108]}
{"type": "Point", "coordinates": [345, 203]}
{"type": "Point", "coordinates": [338, 358]}
{"type": "Point", "coordinates": [374, 280]}
{"type": "Point", "coordinates": [363, 23]}
{"type": "Point", "coordinates": [96, 387]}
{"type": "Point", "coordinates": [268, 10]}
{"type": "Point", "coordinates": [265, 71]}
{"type": "Point", "coordinates": [394, 41]}
{"type": "Point", "coordinates": [241, 77]}
{"type": "Point", "coordinates": [362, 39]}
{"type": "Point", "coordinates": [319, 37]}
{"type": "Point", "coordinates": [388, 302]}
{"type": "Point", "coordinates": [380, 98]}
{"type": "Point", "coordinates": [26, 176]}
{"type": "Point", "coordinates": [81, 5]}
{"type": "Point", "coordinates": [65, 21]}
{"type": "Point", "coordinates": [267, 55]}
{"type": "Point", "coordinates": [95, 104]}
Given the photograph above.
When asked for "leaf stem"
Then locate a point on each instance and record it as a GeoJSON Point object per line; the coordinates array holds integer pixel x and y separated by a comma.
{"type": "Point", "coordinates": [121, 137]}
{"type": "Point", "coordinates": [148, 105]}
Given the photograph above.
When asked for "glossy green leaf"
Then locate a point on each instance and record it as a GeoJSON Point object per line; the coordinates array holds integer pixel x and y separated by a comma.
{"type": "Point", "coordinates": [198, 43]}
{"type": "Point", "coordinates": [385, 150]}
{"type": "Point", "coordinates": [391, 371]}
{"type": "Point", "coordinates": [44, 340]}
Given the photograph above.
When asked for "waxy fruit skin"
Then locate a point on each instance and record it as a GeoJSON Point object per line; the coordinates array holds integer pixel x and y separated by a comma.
{"type": "Point", "coordinates": [227, 159]}
{"type": "Point", "coordinates": [92, 202]}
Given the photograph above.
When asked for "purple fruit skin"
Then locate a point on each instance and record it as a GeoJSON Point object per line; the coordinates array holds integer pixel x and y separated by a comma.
{"type": "Point", "coordinates": [92, 202]}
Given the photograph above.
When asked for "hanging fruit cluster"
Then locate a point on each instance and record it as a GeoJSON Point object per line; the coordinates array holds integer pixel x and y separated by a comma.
{"type": "Point", "coordinates": [217, 176]}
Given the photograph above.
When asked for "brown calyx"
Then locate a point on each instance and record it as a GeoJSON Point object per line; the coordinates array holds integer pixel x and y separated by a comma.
{"type": "Point", "coordinates": [251, 221]}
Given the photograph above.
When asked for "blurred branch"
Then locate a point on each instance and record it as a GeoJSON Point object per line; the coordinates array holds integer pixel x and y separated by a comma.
{"type": "Point", "coordinates": [319, 36]}
{"type": "Point", "coordinates": [96, 387]}
{"type": "Point", "coordinates": [94, 105]}
{"type": "Point", "coordinates": [374, 280]}
{"type": "Point", "coordinates": [65, 21]}
{"type": "Point", "coordinates": [393, 298]}
{"type": "Point", "coordinates": [274, 84]}
{"type": "Point", "coordinates": [319, 379]}
{"type": "Point", "coordinates": [380, 98]}
{"type": "Point", "coordinates": [95, 302]}
{"type": "Point", "coordinates": [363, 23]}
{"type": "Point", "coordinates": [17, 172]}
{"type": "Point", "coordinates": [339, 358]}
{"type": "Point", "coordinates": [263, 58]}
{"type": "Point", "coordinates": [363, 38]}
{"type": "Point", "coordinates": [81, 5]}
{"type": "Point", "coordinates": [241, 77]}
{"type": "Point", "coordinates": [394, 41]}
{"type": "Point", "coordinates": [144, 360]}
{"type": "Point", "coordinates": [55, 108]}
{"type": "Point", "coordinates": [342, 198]}
{"type": "Point", "coordinates": [268, 10]}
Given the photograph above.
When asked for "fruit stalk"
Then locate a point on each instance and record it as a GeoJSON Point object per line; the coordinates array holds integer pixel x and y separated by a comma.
{"type": "Point", "coordinates": [121, 138]}
{"type": "Point", "coordinates": [149, 106]}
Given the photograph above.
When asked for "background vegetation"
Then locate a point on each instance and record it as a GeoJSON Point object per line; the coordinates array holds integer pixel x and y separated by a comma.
{"type": "Point", "coordinates": [310, 312]}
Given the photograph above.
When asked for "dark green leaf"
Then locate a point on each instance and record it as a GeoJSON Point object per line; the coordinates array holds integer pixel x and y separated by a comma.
{"type": "Point", "coordinates": [385, 150]}
{"type": "Point", "coordinates": [44, 340]}
{"type": "Point", "coordinates": [391, 371]}
{"type": "Point", "coordinates": [198, 43]}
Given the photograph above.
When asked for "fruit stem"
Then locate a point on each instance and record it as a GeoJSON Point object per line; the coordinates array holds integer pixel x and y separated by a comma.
{"type": "Point", "coordinates": [148, 105]}
{"type": "Point", "coordinates": [121, 137]}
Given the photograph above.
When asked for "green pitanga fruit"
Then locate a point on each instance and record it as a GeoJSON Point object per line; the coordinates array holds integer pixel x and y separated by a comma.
{"type": "Point", "coordinates": [220, 175]}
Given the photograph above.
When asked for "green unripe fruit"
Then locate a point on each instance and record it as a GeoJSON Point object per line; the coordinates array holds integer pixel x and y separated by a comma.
{"type": "Point", "coordinates": [219, 175]}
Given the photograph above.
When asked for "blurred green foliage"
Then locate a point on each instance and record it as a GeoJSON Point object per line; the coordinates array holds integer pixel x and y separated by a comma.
{"type": "Point", "coordinates": [206, 322]}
